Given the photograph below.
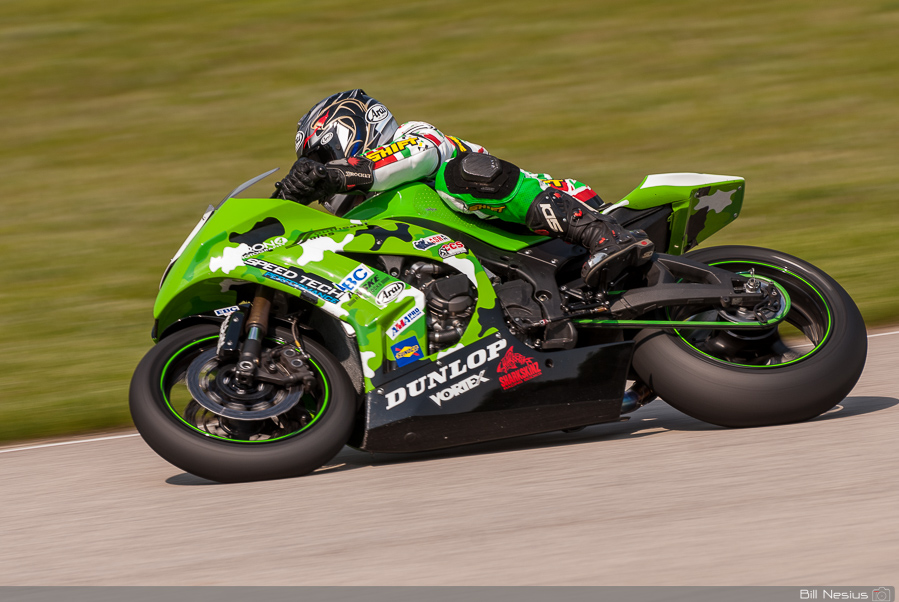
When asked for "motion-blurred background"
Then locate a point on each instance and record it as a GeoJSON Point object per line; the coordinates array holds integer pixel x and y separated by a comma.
{"type": "Point", "coordinates": [122, 121]}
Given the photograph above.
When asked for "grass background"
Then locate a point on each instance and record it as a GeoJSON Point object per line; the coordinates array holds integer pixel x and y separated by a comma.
{"type": "Point", "coordinates": [121, 121]}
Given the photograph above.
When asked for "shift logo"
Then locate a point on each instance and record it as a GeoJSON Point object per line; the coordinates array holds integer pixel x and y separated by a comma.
{"type": "Point", "coordinates": [354, 278]}
{"type": "Point", "coordinates": [516, 369]}
{"type": "Point", "coordinates": [404, 322]}
{"type": "Point", "coordinates": [383, 152]}
{"type": "Point", "coordinates": [449, 381]}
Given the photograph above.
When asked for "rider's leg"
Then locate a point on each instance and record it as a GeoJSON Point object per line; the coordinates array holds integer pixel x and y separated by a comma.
{"type": "Point", "coordinates": [612, 248]}
{"type": "Point", "coordinates": [490, 187]}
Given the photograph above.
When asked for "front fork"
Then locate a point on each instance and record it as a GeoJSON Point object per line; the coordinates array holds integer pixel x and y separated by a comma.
{"type": "Point", "coordinates": [284, 366]}
{"type": "Point", "coordinates": [257, 328]}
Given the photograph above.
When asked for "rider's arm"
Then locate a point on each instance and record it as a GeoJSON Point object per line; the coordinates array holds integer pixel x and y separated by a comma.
{"type": "Point", "coordinates": [417, 150]}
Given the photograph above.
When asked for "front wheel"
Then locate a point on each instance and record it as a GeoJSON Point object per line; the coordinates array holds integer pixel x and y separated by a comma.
{"type": "Point", "coordinates": [191, 409]}
{"type": "Point", "coordinates": [743, 378]}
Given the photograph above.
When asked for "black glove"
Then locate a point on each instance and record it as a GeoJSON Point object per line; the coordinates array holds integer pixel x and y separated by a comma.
{"type": "Point", "coordinates": [304, 182]}
{"type": "Point", "coordinates": [355, 174]}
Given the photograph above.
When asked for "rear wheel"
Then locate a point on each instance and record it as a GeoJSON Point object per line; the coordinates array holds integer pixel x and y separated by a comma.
{"type": "Point", "coordinates": [743, 378]}
{"type": "Point", "coordinates": [193, 411]}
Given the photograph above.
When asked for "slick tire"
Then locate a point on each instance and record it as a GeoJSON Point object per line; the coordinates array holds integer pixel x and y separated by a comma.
{"type": "Point", "coordinates": [236, 461]}
{"type": "Point", "coordinates": [736, 395]}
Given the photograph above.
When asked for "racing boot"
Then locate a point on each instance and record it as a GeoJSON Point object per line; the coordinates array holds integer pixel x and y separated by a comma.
{"type": "Point", "coordinates": [612, 248]}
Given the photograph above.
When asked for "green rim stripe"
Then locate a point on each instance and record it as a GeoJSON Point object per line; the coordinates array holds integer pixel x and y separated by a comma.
{"type": "Point", "coordinates": [165, 368]}
{"type": "Point", "coordinates": [798, 277]}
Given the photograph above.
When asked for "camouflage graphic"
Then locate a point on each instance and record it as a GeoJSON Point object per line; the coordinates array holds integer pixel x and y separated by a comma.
{"type": "Point", "coordinates": [702, 203]}
{"type": "Point", "coordinates": [320, 259]}
{"type": "Point", "coordinates": [312, 266]}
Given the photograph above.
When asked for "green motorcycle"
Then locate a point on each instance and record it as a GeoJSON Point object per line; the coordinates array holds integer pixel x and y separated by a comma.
{"type": "Point", "coordinates": [284, 333]}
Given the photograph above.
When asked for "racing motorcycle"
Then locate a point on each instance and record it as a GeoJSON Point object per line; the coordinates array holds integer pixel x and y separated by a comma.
{"type": "Point", "coordinates": [284, 333]}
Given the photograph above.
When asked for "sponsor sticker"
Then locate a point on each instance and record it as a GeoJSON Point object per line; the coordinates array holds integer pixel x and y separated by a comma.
{"type": "Point", "coordinates": [226, 310]}
{"type": "Point", "coordinates": [375, 283]}
{"type": "Point", "coordinates": [391, 149]}
{"type": "Point", "coordinates": [377, 113]}
{"type": "Point", "coordinates": [404, 322]}
{"type": "Point", "coordinates": [515, 369]}
{"type": "Point", "coordinates": [389, 293]}
{"type": "Point", "coordinates": [485, 207]}
{"type": "Point", "coordinates": [463, 386]}
{"type": "Point", "coordinates": [407, 351]}
{"type": "Point", "coordinates": [326, 232]}
{"type": "Point", "coordinates": [451, 380]}
{"type": "Point", "coordinates": [430, 241]}
{"type": "Point", "coordinates": [263, 247]}
{"type": "Point", "coordinates": [550, 216]}
{"type": "Point", "coordinates": [453, 248]}
{"type": "Point", "coordinates": [355, 278]}
{"type": "Point", "coordinates": [309, 283]}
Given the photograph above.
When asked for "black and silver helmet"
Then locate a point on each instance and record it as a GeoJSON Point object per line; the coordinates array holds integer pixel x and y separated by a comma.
{"type": "Point", "coordinates": [343, 126]}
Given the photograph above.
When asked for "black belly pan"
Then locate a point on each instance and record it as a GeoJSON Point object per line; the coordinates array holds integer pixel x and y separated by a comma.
{"type": "Point", "coordinates": [494, 389]}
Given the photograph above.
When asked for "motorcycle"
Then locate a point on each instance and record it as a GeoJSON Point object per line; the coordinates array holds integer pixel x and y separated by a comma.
{"type": "Point", "coordinates": [284, 333]}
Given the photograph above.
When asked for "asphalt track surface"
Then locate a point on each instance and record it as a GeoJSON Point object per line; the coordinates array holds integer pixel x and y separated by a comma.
{"type": "Point", "coordinates": [659, 500]}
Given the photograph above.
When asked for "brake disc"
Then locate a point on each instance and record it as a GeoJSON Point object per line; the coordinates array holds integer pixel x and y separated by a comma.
{"type": "Point", "coordinates": [214, 386]}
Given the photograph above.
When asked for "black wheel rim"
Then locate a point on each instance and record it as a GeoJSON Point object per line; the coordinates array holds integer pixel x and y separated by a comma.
{"type": "Point", "coordinates": [189, 413]}
{"type": "Point", "coordinates": [806, 329]}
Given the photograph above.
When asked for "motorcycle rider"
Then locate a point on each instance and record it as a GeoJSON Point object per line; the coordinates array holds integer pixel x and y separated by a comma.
{"type": "Point", "coordinates": [349, 145]}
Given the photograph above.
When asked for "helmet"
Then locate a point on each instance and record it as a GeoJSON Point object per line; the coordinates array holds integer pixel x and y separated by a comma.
{"type": "Point", "coordinates": [342, 126]}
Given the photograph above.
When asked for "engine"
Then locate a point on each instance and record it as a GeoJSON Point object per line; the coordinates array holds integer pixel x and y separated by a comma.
{"type": "Point", "coordinates": [450, 301]}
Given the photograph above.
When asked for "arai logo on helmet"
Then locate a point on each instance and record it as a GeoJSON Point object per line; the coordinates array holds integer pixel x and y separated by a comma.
{"type": "Point", "coordinates": [327, 137]}
{"type": "Point", "coordinates": [300, 136]}
{"type": "Point", "coordinates": [377, 113]}
{"type": "Point", "coordinates": [389, 293]}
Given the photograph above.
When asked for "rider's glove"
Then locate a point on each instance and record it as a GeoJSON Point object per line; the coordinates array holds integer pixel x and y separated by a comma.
{"type": "Point", "coordinates": [349, 175]}
{"type": "Point", "coordinates": [303, 182]}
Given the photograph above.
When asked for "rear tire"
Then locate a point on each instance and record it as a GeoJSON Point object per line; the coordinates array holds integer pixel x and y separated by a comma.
{"type": "Point", "coordinates": [163, 426]}
{"type": "Point", "coordinates": [796, 387]}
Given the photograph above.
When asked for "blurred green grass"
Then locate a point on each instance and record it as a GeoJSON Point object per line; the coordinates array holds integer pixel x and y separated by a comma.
{"type": "Point", "coordinates": [121, 121]}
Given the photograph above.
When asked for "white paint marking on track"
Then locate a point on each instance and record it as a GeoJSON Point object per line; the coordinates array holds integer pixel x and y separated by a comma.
{"type": "Point", "coordinates": [16, 449]}
{"type": "Point", "coordinates": [883, 334]}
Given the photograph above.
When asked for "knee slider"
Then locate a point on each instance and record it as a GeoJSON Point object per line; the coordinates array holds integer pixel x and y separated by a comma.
{"type": "Point", "coordinates": [481, 175]}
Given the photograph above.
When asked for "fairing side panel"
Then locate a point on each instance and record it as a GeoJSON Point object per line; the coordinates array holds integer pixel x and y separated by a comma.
{"type": "Point", "coordinates": [417, 201]}
{"type": "Point", "coordinates": [301, 252]}
{"type": "Point", "coordinates": [493, 389]}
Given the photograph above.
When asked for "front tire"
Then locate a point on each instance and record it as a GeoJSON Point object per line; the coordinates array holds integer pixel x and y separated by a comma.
{"type": "Point", "coordinates": [203, 444]}
{"type": "Point", "coordinates": [737, 380]}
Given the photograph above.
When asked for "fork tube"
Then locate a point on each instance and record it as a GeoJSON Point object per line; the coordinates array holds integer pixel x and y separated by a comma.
{"type": "Point", "coordinates": [257, 327]}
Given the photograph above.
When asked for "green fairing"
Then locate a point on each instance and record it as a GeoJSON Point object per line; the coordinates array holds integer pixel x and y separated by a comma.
{"type": "Point", "coordinates": [699, 209]}
{"type": "Point", "coordinates": [420, 202]}
{"type": "Point", "coordinates": [199, 279]}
